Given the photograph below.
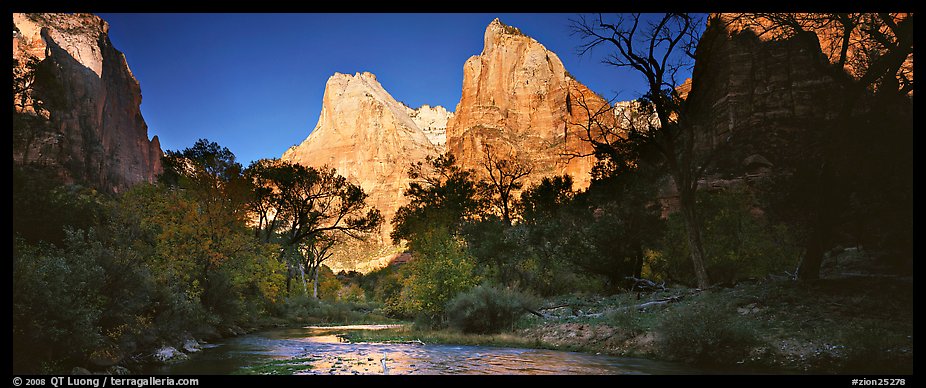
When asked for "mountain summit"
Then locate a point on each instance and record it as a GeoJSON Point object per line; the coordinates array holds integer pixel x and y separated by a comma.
{"type": "Point", "coordinates": [516, 99]}
{"type": "Point", "coordinates": [370, 138]}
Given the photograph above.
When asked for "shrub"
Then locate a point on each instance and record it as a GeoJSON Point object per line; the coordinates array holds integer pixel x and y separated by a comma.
{"type": "Point", "coordinates": [56, 305]}
{"type": "Point", "coordinates": [737, 243]}
{"type": "Point", "coordinates": [487, 309]}
{"type": "Point", "coordinates": [630, 320]}
{"type": "Point", "coordinates": [351, 293]}
{"type": "Point", "coordinates": [441, 269]}
{"type": "Point", "coordinates": [701, 335]}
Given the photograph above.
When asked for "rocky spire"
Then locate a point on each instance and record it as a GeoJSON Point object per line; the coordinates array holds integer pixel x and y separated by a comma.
{"type": "Point", "coordinates": [370, 138]}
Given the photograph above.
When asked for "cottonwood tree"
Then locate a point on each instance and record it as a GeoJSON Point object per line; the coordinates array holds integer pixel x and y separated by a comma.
{"type": "Point", "coordinates": [505, 176]}
{"type": "Point", "coordinates": [209, 176]}
{"type": "Point", "coordinates": [319, 252]}
{"type": "Point", "coordinates": [306, 209]}
{"type": "Point", "coordinates": [870, 58]}
{"type": "Point", "coordinates": [656, 48]}
{"type": "Point", "coordinates": [442, 195]}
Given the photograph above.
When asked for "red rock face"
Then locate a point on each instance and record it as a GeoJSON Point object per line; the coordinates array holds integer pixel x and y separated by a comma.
{"type": "Point", "coordinates": [519, 100]}
{"type": "Point", "coordinates": [81, 116]}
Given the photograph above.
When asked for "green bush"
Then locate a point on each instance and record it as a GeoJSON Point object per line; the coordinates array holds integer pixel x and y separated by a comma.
{"type": "Point", "coordinates": [351, 293]}
{"type": "Point", "coordinates": [738, 244]}
{"type": "Point", "coordinates": [701, 335]}
{"type": "Point", "coordinates": [441, 270]}
{"type": "Point", "coordinates": [487, 309]}
{"type": "Point", "coordinates": [56, 306]}
{"type": "Point", "coordinates": [306, 309]}
{"type": "Point", "coordinates": [630, 320]}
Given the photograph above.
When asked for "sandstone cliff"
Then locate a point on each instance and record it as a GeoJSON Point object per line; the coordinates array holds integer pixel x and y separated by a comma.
{"type": "Point", "coordinates": [433, 121]}
{"type": "Point", "coordinates": [759, 94]}
{"type": "Point", "coordinates": [370, 138]}
{"type": "Point", "coordinates": [519, 100]}
{"type": "Point", "coordinates": [76, 104]}
{"type": "Point", "coordinates": [753, 101]}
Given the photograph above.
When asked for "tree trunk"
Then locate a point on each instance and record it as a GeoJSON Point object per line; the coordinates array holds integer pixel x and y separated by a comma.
{"type": "Point", "coordinates": [693, 227]}
{"type": "Point", "coordinates": [809, 268]}
{"type": "Point", "coordinates": [315, 282]}
{"type": "Point", "coordinates": [289, 278]}
{"type": "Point", "coordinates": [305, 288]}
{"type": "Point", "coordinates": [816, 245]}
{"type": "Point", "coordinates": [638, 263]}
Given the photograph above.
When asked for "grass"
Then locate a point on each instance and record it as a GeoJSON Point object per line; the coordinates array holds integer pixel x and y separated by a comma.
{"type": "Point", "coordinates": [279, 367]}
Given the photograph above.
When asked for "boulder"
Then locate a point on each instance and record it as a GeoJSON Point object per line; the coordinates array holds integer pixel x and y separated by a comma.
{"type": "Point", "coordinates": [168, 355]}
{"type": "Point", "coordinates": [118, 370]}
{"type": "Point", "coordinates": [191, 346]}
{"type": "Point", "coordinates": [80, 371]}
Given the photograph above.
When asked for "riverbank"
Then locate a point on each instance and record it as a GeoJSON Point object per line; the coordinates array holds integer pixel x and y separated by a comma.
{"type": "Point", "coordinates": [852, 324]}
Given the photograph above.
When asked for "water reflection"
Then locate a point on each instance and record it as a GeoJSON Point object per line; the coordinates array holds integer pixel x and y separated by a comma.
{"type": "Point", "coordinates": [323, 352]}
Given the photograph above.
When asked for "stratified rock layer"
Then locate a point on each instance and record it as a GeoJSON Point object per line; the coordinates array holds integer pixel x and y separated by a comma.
{"type": "Point", "coordinates": [79, 113]}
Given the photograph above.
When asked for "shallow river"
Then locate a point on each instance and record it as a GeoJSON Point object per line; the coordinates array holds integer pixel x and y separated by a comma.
{"type": "Point", "coordinates": [320, 351]}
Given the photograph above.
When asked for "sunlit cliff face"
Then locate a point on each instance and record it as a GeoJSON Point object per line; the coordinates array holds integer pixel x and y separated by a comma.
{"type": "Point", "coordinates": [867, 37]}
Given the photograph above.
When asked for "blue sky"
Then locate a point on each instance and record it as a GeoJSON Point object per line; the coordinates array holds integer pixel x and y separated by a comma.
{"type": "Point", "coordinates": [254, 82]}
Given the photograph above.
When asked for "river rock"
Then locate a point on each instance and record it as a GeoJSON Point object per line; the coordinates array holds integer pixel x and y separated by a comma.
{"type": "Point", "coordinates": [191, 346]}
{"type": "Point", "coordinates": [118, 370]}
{"type": "Point", "coordinates": [168, 354]}
{"type": "Point", "coordinates": [233, 330]}
{"type": "Point", "coordinates": [80, 371]}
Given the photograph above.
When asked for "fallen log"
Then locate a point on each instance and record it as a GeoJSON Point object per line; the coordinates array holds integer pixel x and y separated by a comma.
{"type": "Point", "coordinates": [554, 307]}
{"type": "Point", "coordinates": [658, 302]}
{"type": "Point", "coordinates": [645, 284]}
{"type": "Point", "coordinates": [534, 312]}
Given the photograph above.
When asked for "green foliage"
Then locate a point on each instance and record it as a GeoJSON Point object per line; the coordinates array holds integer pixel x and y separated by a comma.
{"type": "Point", "coordinates": [203, 163]}
{"type": "Point", "coordinates": [43, 206]}
{"type": "Point", "coordinates": [738, 244]}
{"type": "Point", "coordinates": [328, 284]}
{"type": "Point", "coordinates": [151, 265]}
{"type": "Point", "coordinates": [279, 367]}
{"type": "Point", "coordinates": [351, 293]}
{"type": "Point", "coordinates": [441, 269]}
{"type": "Point", "coordinates": [307, 211]}
{"type": "Point", "coordinates": [487, 309]}
{"type": "Point", "coordinates": [546, 199]}
{"type": "Point", "coordinates": [700, 334]}
{"type": "Point", "coordinates": [56, 304]}
{"type": "Point", "coordinates": [442, 195]}
{"type": "Point", "coordinates": [629, 319]}
{"type": "Point", "coordinates": [386, 286]}
{"type": "Point", "coordinates": [306, 309]}
{"type": "Point", "coordinates": [526, 255]}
